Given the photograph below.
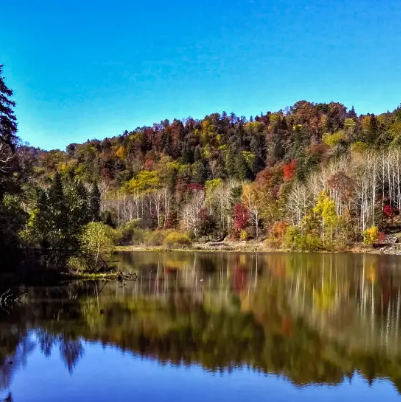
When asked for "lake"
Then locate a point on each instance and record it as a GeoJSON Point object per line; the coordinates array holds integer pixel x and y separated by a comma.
{"type": "Point", "coordinates": [211, 327]}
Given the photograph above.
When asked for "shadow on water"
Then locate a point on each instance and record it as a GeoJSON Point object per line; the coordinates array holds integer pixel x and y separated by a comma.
{"type": "Point", "coordinates": [311, 318]}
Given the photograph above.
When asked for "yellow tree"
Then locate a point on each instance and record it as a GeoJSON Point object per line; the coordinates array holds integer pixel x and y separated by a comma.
{"type": "Point", "coordinates": [250, 199]}
{"type": "Point", "coordinates": [325, 208]}
{"type": "Point", "coordinates": [144, 182]}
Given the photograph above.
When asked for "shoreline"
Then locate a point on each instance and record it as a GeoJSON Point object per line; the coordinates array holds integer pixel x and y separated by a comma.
{"type": "Point", "coordinates": [259, 247]}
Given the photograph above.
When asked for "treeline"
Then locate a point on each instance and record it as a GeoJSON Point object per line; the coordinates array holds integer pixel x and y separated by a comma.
{"type": "Point", "coordinates": [312, 176]}
{"type": "Point", "coordinates": [315, 176]}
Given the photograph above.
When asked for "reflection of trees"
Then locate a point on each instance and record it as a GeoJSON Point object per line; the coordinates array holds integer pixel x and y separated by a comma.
{"type": "Point", "coordinates": [349, 298]}
{"type": "Point", "coordinates": [71, 351]}
{"type": "Point", "coordinates": [312, 318]}
{"type": "Point", "coordinates": [8, 398]}
{"type": "Point", "coordinates": [46, 341]}
{"type": "Point", "coordinates": [15, 348]}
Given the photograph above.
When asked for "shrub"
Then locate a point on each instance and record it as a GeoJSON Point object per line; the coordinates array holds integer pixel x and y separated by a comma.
{"type": "Point", "coordinates": [372, 235]}
{"type": "Point", "coordinates": [297, 240]}
{"type": "Point", "coordinates": [277, 234]}
{"type": "Point", "coordinates": [78, 263]}
{"type": "Point", "coordinates": [128, 233]}
{"type": "Point", "coordinates": [147, 237]}
{"type": "Point", "coordinates": [243, 235]}
{"type": "Point", "coordinates": [155, 238]}
{"type": "Point", "coordinates": [177, 239]}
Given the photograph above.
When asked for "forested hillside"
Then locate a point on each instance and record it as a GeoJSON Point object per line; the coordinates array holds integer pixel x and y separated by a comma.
{"type": "Point", "coordinates": [311, 176]}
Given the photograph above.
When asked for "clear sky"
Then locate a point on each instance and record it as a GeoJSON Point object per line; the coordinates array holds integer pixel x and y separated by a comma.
{"type": "Point", "coordinates": [84, 69]}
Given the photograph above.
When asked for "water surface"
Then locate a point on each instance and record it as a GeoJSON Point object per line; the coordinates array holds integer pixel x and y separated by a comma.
{"type": "Point", "coordinates": [211, 327]}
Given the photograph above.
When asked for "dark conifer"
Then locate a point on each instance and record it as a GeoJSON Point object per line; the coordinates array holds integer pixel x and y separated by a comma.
{"type": "Point", "coordinates": [94, 203]}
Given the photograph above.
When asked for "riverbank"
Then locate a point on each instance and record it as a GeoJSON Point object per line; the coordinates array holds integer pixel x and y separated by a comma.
{"type": "Point", "coordinates": [260, 247]}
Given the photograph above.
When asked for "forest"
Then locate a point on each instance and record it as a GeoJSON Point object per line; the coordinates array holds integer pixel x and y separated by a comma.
{"type": "Point", "coordinates": [313, 176]}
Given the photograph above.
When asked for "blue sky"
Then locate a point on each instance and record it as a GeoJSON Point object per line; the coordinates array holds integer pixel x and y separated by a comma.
{"type": "Point", "coordinates": [93, 68]}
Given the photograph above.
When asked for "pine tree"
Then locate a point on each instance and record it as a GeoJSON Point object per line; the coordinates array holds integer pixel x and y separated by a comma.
{"type": "Point", "coordinates": [40, 222]}
{"type": "Point", "coordinates": [235, 196]}
{"type": "Point", "coordinates": [56, 194]}
{"type": "Point", "coordinates": [8, 121]}
{"type": "Point", "coordinates": [352, 114]}
{"type": "Point", "coordinates": [197, 154]}
{"type": "Point", "coordinates": [8, 138]}
{"type": "Point", "coordinates": [198, 173]}
{"type": "Point", "coordinates": [94, 203]}
{"type": "Point", "coordinates": [78, 206]}
{"type": "Point", "coordinates": [187, 155]}
{"type": "Point", "coordinates": [230, 167]}
{"type": "Point", "coordinates": [242, 170]}
{"type": "Point", "coordinates": [57, 213]}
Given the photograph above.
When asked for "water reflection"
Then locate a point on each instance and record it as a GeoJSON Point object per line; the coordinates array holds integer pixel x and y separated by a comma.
{"type": "Point", "coordinates": [312, 318]}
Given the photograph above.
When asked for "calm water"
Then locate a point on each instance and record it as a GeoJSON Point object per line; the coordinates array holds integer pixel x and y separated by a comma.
{"type": "Point", "coordinates": [211, 327]}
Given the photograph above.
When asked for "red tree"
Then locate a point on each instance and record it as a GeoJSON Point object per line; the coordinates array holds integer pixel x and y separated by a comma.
{"type": "Point", "coordinates": [289, 170]}
{"type": "Point", "coordinates": [241, 217]}
{"type": "Point", "coordinates": [388, 211]}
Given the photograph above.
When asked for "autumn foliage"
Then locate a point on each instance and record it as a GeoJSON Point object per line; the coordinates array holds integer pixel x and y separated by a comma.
{"type": "Point", "coordinates": [241, 217]}
{"type": "Point", "coordinates": [289, 170]}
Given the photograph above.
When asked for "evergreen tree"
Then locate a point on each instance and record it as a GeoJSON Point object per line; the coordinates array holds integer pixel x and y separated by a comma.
{"type": "Point", "coordinates": [8, 121]}
{"type": "Point", "coordinates": [107, 219]}
{"type": "Point", "coordinates": [235, 196]}
{"type": "Point", "coordinates": [198, 173]}
{"type": "Point", "coordinates": [57, 213]}
{"type": "Point", "coordinates": [230, 167]}
{"type": "Point", "coordinates": [94, 203]}
{"type": "Point", "coordinates": [242, 170]}
{"type": "Point", "coordinates": [352, 114]}
{"type": "Point", "coordinates": [8, 140]}
{"type": "Point", "coordinates": [197, 154]}
{"type": "Point", "coordinates": [40, 222]}
{"type": "Point", "coordinates": [56, 195]}
{"type": "Point", "coordinates": [187, 155]}
{"type": "Point", "coordinates": [374, 129]}
{"type": "Point", "coordinates": [78, 208]}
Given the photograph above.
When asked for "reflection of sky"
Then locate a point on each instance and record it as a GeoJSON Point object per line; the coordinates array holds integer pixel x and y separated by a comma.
{"type": "Point", "coordinates": [107, 374]}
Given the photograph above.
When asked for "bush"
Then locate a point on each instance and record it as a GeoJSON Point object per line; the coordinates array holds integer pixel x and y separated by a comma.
{"type": "Point", "coordinates": [78, 263]}
{"type": "Point", "coordinates": [155, 238]}
{"type": "Point", "coordinates": [277, 234]}
{"type": "Point", "coordinates": [177, 239]}
{"type": "Point", "coordinates": [297, 240]}
{"type": "Point", "coordinates": [129, 232]}
{"type": "Point", "coordinates": [243, 235]}
{"type": "Point", "coordinates": [372, 236]}
{"type": "Point", "coordinates": [144, 237]}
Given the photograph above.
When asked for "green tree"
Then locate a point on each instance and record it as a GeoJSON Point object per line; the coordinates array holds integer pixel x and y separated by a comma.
{"type": "Point", "coordinates": [8, 163]}
{"type": "Point", "coordinates": [198, 172]}
{"type": "Point", "coordinates": [94, 203]}
{"type": "Point", "coordinates": [8, 121]}
{"type": "Point", "coordinates": [97, 241]}
{"type": "Point", "coordinates": [242, 170]}
{"type": "Point", "coordinates": [77, 205]}
{"type": "Point", "coordinates": [57, 212]}
{"type": "Point", "coordinates": [230, 166]}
